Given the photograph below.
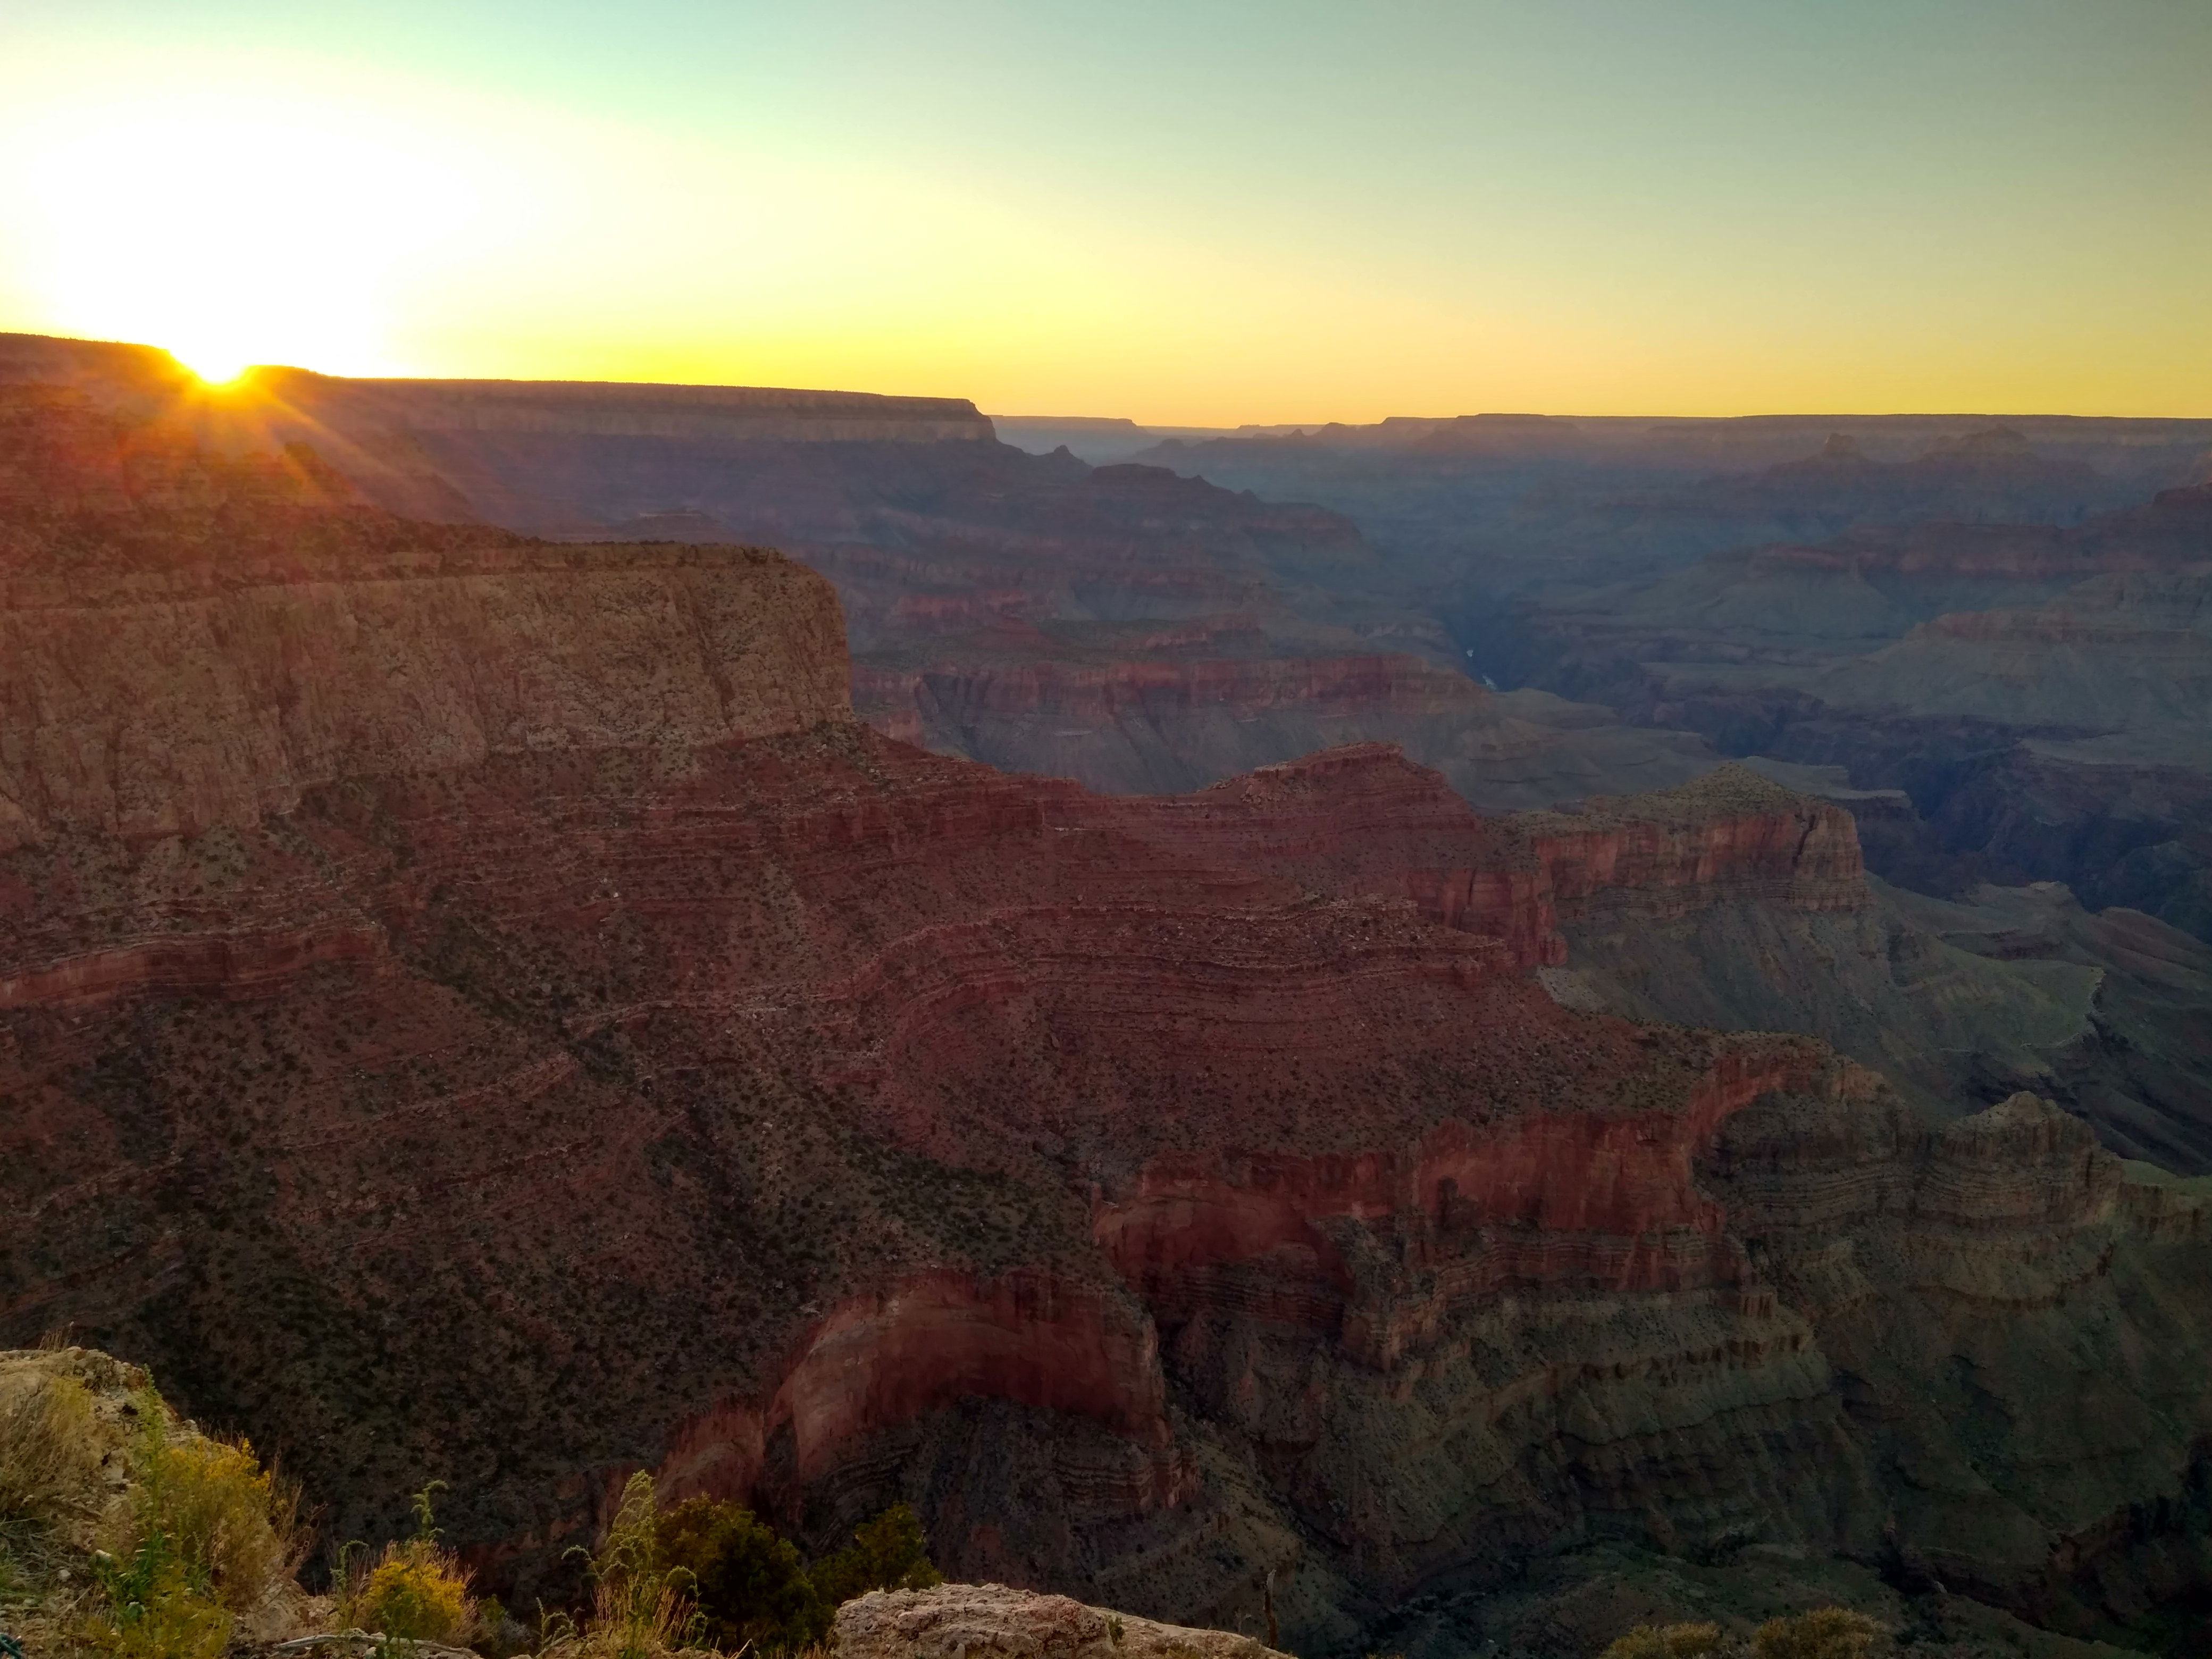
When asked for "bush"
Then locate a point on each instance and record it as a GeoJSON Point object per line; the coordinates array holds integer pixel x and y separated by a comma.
{"type": "Point", "coordinates": [418, 1591]}
{"type": "Point", "coordinates": [889, 1553]}
{"type": "Point", "coordinates": [624, 1625]}
{"type": "Point", "coordinates": [158, 1607]}
{"type": "Point", "coordinates": [1824, 1633]}
{"type": "Point", "coordinates": [714, 1572]}
{"type": "Point", "coordinates": [49, 1450]}
{"type": "Point", "coordinates": [204, 1534]}
{"type": "Point", "coordinates": [230, 1521]}
{"type": "Point", "coordinates": [1666, 1642]}
{"type": "Point", "coordinates": [750, 1585]}
{"type": "Point", "coordinates": [407, 1595]}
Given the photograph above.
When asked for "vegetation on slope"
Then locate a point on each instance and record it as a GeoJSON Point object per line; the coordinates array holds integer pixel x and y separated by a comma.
{"type": "Point", "coordinates": [128, 1532]}
{"type": "Point", "coordinates": [125, 1530]}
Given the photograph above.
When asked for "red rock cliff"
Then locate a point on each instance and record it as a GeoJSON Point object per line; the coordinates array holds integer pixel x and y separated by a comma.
{"type": "Point", "coordinates": [146, 695]}
{"type": "Point", "coordinates": [1731, 832]}
{"type": "Point", "coordinates": [441, 966]}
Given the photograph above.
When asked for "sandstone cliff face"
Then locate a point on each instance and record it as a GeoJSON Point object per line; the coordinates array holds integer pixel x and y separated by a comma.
{"type": "Point", "coordinates": [146, 697]}
{"type": "Point", "coordinates": [1730, 833]}
{"type": "Point", "coordinates": [1164, 709]}
{"type": "Point", "coordinates": [929, 1341]}
{"type": "Point", "coordinates": [1157, 1192]}
{"type": "Point", "coordinates": [2004, 1276]}
{"type": "Point", "coordinates": [624, 409]}
{"type": "Point", "coordinates": [2039, 691]}
{"type": "Point", "coordinates": [143, 719]}
{"type": "Point", "coordinates": [989, 706]}
{"type": "Point", "coordinates": [2126, 653]}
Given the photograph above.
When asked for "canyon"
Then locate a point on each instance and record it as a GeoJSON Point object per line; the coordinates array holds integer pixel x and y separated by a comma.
{"type": "Point", "coordinates": [2040, 694]}
{"type": "Point", "coordinates": [1983, 639]}
{"type": "Point", "coordinates": [482, 1007]}
{"type": "Point", "coordinates": [1131, 629]}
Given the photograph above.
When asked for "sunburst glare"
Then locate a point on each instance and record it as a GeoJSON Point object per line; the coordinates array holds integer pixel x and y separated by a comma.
{"type": "Point", "coordinates": [235, 229]}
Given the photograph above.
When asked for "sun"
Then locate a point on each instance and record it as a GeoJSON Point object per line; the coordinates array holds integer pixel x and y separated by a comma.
{"type": "Point", "coordinates": [215, 367]}
{"type": "Point", "coordinates": [152, 220]}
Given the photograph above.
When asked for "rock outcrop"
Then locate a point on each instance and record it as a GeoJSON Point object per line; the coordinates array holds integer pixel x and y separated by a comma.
{"type": "Point", "coordinates": [75, 1426]}
{"type": "Point", "coordinates": [1157, 710]}
{"type": "Point", "coordinates": [956, 1621]}
{"type": "Point", "coordinates": [1975, 1288]}
{"type": "Point", "coordinates": [1732, 832]}
{"type": "Point", "coordinates": [190, 639]}
{"type": "Point", "coordinates": [624, 409]}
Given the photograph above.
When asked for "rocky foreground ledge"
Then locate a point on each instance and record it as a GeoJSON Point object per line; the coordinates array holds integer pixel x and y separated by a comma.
{"type": "Point", "coordinates": [967, 1621]}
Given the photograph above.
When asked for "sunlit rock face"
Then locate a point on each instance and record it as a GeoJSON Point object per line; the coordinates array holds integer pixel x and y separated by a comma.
{"type": "Point", "coordinates": [483, 1010]}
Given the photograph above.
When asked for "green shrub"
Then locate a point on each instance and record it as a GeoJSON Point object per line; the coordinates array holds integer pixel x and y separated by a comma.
{"type": "Point", "coordinates": [158, 1607]}
{"type": "Point", "coordinates": [1666, 1642]}
{"type": "Point", "coordinates": [889, 1553]}
{"type": "Point", "coordinates": [1824, 1633]}
{"type": "Point", "coordinates": [751, 1586]}
{"type": "Point", "coordinates": [705, 1570]}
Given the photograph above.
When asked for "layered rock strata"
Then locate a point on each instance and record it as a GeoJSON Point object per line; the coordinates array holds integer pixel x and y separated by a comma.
{"type": "Point", "coordinates": [1153, 709]}
{"type": "Point", "coordinates": [2040, 693]}
{"type": "Point", "coordinates": [591, 1049]}
{"type": "Point", "coordinates": [1133, 630]}
{"type": "Point", "coordinates": [1982, 1292]}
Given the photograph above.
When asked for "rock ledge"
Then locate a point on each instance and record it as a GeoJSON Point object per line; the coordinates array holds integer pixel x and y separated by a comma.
{"type": "Point", "coordinates": [965, 1621]}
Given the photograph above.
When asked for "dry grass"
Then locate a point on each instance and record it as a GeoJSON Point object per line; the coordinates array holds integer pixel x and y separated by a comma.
{"type": "Point", "coordinates": [623, 1626]}
{"type": "Point", "coordinates": [1666, 1642]}
{"type": "Point", "coordinates": [640, 1609]}
{"type": "Point", "coordinates": [51, 1447]}
{"type": "Point", "coordinates": [1824, 1633]}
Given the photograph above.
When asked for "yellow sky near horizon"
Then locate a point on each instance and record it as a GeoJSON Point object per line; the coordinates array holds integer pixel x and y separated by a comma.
{"type": "Point", "coordinates": [1451, 210]}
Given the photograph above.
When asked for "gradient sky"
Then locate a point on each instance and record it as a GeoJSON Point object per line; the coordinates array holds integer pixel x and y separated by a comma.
{"type": "Point", "coordinates": [1201, 212]}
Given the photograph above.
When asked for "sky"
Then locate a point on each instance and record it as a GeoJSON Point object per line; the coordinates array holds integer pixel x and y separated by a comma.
{"type": "Point", "coordinates": [1183, 211]}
